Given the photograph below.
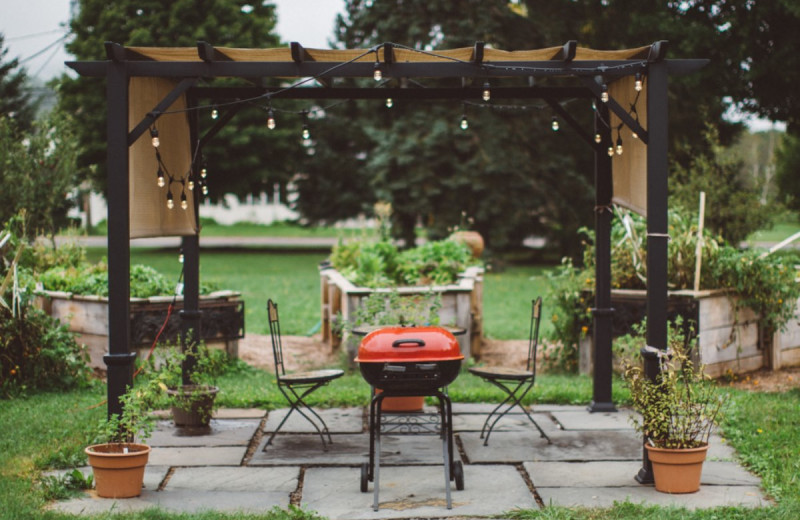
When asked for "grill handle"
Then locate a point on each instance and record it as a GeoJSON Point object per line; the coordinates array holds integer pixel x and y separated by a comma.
{"type": "Point", "coordinates": [405, 341]}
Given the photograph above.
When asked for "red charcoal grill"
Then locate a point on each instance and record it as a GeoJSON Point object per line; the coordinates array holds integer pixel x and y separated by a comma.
{"type": "Point", "coordinates": [410, 361]}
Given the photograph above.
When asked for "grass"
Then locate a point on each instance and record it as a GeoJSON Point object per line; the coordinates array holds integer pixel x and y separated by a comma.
{"type": "Point", "coordinates": [249, 229]}
{"type": "Point", "coordinates": [780, 231]}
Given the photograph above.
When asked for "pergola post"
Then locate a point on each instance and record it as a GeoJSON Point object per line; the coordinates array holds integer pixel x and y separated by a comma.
{"type": "Point", "coordinates": [657, 231]}
{"type": "Point", "coordinates": [602, 311]}
{"type": "Point", "coordinates": [191, 316]}
{"type": "Point", "coordinates": [119, 360]}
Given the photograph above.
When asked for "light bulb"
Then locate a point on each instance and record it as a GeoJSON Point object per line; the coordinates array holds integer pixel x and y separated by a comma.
{"type": "Point", "coordinates": [306, 133]}
{"type": "Point", "coordinates": [637, 84]}
{"type": "Point", "coordinates": [634, 135]}
{"type": "Point", "coordinates": [464, 122]}
{"type": "Point", "coordinates": [184, 202]}
{"type": "Point", "coordinates": [554, 125]}
{"type": "Point", "coordinates": [619, 145]}
{"type": "Point", "coordinates": [161, 181]}
{"type": "Point", "coordinates": [598, 138]}
{"type": "Point", "coordinates": [271, 120]}
{"type": "Point", "coordinates": [205, 189]}
{"type": "Point", "coordinates": [170, 202]}
{"type": "Point", "coordinates": [487, 93]}
{"type": "Point", "coordinates": [180, 258]}
{"type": "Point", "coordinates": [204, 172]}
{"type": "Point", "coordinates": [214, 113]}
{"type": "Point", "coordinates": [154, 140]}
{"type": "Point", "coordinates": [611, 151]}
{"type": "Point", "coordinates": [190, 185]}
{"type": "Point", "coordinates": [389, 102]}
{"type": "Point", "coordinates": [604, 94]}
{"type": "Point", "coordinates": [377, 75]}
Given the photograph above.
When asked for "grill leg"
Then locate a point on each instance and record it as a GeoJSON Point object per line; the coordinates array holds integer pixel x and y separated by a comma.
{"type": "Point", "coordinates": [377, 475]}
{"type": "Point", "coordinates": [446, 445]}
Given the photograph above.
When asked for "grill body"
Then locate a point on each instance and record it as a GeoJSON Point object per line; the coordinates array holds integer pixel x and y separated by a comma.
{"type": "Point", "coordinates": [409, 360]}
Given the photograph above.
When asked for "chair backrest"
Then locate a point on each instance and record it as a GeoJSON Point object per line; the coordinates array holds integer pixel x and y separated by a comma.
{"type": "Point", "coordinates": [275, 333]}
{"type": "Point", "coordinates": [533, 341]}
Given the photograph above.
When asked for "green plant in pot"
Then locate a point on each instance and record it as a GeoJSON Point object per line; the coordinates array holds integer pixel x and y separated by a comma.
{"type": "Point", "coordinates": [119, 454]}
{"type": "Point", "coordinates": [192, 399]}
{"type": "Point", "coordinates": [678, 410]}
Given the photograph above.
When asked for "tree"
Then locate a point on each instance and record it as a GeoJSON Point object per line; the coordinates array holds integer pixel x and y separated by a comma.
{"type": "Point", "coordinates": [16, 102]}
{"type": "Point", "coordinates": [38, 174]}
{"type": "Point", "coordinates": [237, 154]}
{"type": "Point", "coordinates": [787, 158]}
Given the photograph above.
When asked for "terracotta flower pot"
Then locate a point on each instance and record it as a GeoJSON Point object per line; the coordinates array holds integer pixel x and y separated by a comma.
{"type": "Point", "coordinates": [118, 474]}
{"type": "Point", "coordinates": [412, 403]}
{"type": "Point", "coordinates": [677, 470]}
{"type": "Point", "coordinates": [193, 405]}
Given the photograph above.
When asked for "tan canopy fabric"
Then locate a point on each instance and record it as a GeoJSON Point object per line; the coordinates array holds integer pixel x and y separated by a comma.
{"type": "Point", "coordinates": [630, 168]}
{"type": "Point", "coordinates": [150, 216]}
{"type": "Point", "coordinates": [402, 55]}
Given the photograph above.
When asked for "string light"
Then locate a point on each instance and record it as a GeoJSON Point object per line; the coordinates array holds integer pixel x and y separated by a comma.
{"type": "Point", "coordinates": [637, 84]}
{"type": "Point", "coordinates": [170, 202]}
{"type": "Point", "coordinates": [180, 257]}
{"type": "Point", "coordinates": [389, 102]}
{"type": "Point", "coordinates": [306, 132]}
{"type": "Point", "coordinates": [634, 135]}
{"type": "Point", "coordinates": [204, 172]}
{"type": "Point", "coordinates": [160, 175]}
{"type": "Point", "coordinates": [377, 74]}
{"type": "Point", "coordinates": [487, 92]}
{"type": "Point", "coordinates": [271, 119]}
{"type": "Point", "coordinates": [214, 113]}
{"type": "Point", "coordinates": [154, 140]}
{"type": "Point", "coordinates": [184, 202]}
{"type": "Point", "coordinates": [205, 189]}
{"type": "Point", "coordinates": [611, 151]}
{"type": "Point", "coordinates": [190, 185]}
{"type": "Point", "coordinates": [598, 138]}
{"type": "Point", "coordinates": [619, 145]}
{"type": "Point", "coordinates": [464, 123]}
{"type": "Point", "coordinates": [604, 93]}
{"type": "Point", "coordinates": [554, 125]}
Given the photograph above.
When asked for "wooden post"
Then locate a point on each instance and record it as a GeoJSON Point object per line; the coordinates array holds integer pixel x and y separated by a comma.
{"type": "Point", "coordinates": [698, 252]}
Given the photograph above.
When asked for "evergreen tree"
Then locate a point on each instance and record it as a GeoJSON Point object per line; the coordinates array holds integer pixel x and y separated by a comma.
{"type": "Point", "coordinates": [16, 102]}
{"type": "Point", "coordinates": [243, 154]}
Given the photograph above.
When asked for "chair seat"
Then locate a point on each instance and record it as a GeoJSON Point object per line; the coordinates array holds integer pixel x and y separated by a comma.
{"type": "Point", "coordinates": [516, 374]}
{"type": "Point", "coordinates": [313, 376]}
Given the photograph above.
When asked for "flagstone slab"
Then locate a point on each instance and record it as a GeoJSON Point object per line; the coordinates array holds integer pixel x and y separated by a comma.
{"type": "Point", "coordinates": [228, 432]}
{"type": "Point", "coordinates": [515, 447]}
{"type": "Point", "coordinates": [349, 449]}
{"type": "Point", "coordinates": [585, 420]}
{"type": "Point", "coordinates": [415, 492]}
{"type": "Point", "coordinates": [509, 422]}
{"type": "Point", "coordinates": [622, 473]}
{"type": "Point", "coordinates": [239, 413]}
{"type": "Point", "coordinates": [339, 420]}
{"type": "Point", "coordinates": [708, 496]}
{"type": "Point", "coordinates": [235, 479]}
{"type": "Point", "coordinates": [198, 456]}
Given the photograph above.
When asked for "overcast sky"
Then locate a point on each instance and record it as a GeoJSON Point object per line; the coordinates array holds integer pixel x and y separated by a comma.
{"type": "Point", "coordinates": [34, 29]}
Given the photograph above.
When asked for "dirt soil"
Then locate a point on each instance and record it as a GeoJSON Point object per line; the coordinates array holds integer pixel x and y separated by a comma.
{"type": "Point", "coordinates": [307, 353]}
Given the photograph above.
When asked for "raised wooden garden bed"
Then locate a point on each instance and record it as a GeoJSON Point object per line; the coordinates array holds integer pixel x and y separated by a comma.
{"type": "Point", "coordinates": [462, 305]}
{"type": "Point", "coordinates": [729, 340]}
{"type": "Point", "coordinates": [222, 325]}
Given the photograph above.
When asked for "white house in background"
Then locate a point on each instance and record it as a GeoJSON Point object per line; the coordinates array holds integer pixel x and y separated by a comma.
{"type": "Point", "coordinates": [230, 210]}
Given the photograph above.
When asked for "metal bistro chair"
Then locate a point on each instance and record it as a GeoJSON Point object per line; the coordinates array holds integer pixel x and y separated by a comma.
{"type": "Point", "coordinates": [296, 386]}
{"type": "Point", "coordinates": [514, 382]}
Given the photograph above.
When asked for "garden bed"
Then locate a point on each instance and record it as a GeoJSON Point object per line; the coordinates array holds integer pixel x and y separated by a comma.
{"type": "Point", "coordinates": [730, 341]}
{"type": "Point", "coordinates": [222, 322]}
{"type": "Point", "coordinates": [462, 305]}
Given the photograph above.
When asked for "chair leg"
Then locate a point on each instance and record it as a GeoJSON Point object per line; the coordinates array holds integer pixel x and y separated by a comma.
{"type": "Point", "coordinates": [516, 401]}
{"type": "Point", "coordinates": [494, 411]}
{"type": "Point", "coordinates": [296, 401]}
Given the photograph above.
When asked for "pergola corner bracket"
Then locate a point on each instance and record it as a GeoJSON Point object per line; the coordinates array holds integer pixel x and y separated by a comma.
{"type": "Point", "coordinates": [658, 51]}
{"type": "Point", "coordinates": [298, 52]}
{"type": "Point", "coordinates": [568, 51]}
{"type": "Point", "coordinates": [114, 51]}
{"type": "Point", "coordinates": [477, 53]}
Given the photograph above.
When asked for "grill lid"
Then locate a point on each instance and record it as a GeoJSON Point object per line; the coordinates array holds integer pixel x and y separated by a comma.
{"type": "Point", "coordinates": [409, 344]}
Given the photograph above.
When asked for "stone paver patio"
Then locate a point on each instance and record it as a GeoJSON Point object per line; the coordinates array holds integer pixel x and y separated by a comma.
{"type": "Point", "coordinates": [591, 463]}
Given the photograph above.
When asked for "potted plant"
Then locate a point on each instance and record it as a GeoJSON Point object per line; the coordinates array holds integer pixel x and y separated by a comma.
{"type": "Point", "coordinates": [678, 410]}
{"type": "Point", "coordinates": [192, 403]}
{"type": "Point", "coordinates": [117, 460]}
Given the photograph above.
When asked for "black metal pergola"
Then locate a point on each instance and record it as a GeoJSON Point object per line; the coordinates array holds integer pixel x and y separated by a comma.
{"type": "Point", "coordinates": [589, 75]}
